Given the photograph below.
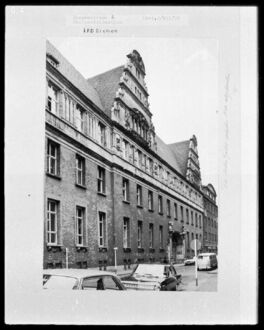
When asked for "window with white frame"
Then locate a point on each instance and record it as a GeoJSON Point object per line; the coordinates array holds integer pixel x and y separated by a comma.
{"type": "Point", "coordinates": [125, 190]}
{"type": "Point", "coordinates": [126, 233]}
{"type": "Point", "coordinates": [151, 234]}
{"type": "Point", "coordinates": [80, 225]}
{"type": "Point", "coordinates": [139, 195]}
{"type": "Point", "coordinates": [125, 149]}
{"type": "Point", "coordinates": [101, 180]}
{"type": "Point", "coordinates": [53, 98]}
{"type": "Point", "coordinates": [79, 118]}
{"type": "Point", "coordinates": [53, 153]}
{"type": "Point", "coordinates": [80, 170]}
{"type": "Point", "coordinates": [140, 229]}
{"type": "Point", "coordinates": [160, 204]}
{"type": "Point", "coordinates": [102, 229]}
{"type": "Point", "coordinates": [161, 237]}
{"type": "Point", "coordinates": [150, 200]}
{"type": "Point", "coordinates": [52, 222]}
{"type": "Point", "coordinates": [102, 134]}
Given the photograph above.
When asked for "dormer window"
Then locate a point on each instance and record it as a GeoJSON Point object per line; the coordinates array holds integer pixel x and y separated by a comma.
{"type": "Point", "coordinates": [53, 61]}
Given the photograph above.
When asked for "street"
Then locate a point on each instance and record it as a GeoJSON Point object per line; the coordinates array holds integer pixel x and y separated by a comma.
{"type": "Point", "coordinates": [207, 280]}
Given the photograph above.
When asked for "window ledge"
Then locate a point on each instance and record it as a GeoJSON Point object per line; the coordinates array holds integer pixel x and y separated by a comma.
{"type": "Point", "coordinates": [140, 206]}
{"type": "Point", "coordinates": [175, 219]}
{"type": "Point", "coordinates": [54, 248]}
{"type": "Point", "coordinates": [80, 186]}
{"type": "Point", "coordinates": [151, 250]}
{"type": "Point", "coordinates": [102, 249]}
{"type": "Point", "coordinates": [169, 216]}
{"type": "Point", "coordinates": [126, 202]}
{"type": "Point", "coordinates": [140, 250]}
{"type": "Point", "coordinates": [161, 250]}
{"type": "Point", "coordinates": [161, 213]}
{"type": "Point", "coordinates": [127, 250]}
{"type": "Point", "coordinates": [81, 248]}
{"type": "Point", "coordinates": [53, 176]}
{"type": "Point", "coordinates": [101, 193]}
{"type": "Point", "coordinates": [151, 210]}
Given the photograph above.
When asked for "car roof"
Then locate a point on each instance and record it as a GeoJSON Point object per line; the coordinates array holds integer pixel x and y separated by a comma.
{"type": "Point", "coordinates": [76, 272]}
{"type": "Point", "coordinates": [206, 254]}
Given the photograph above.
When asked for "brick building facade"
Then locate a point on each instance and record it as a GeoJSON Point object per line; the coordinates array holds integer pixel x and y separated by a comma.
{"type": "Point", "coordinates": [110, 181]}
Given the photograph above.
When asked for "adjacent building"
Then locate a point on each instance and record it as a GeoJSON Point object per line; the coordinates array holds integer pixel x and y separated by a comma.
{"type": "Point", "coordinates": [210, 219]}
{"type": "Point", "coordinates": [110, 181]}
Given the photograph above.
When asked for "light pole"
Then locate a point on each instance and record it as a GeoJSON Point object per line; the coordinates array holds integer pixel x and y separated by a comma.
{"type": "Point", "coordinates": [115, 249]}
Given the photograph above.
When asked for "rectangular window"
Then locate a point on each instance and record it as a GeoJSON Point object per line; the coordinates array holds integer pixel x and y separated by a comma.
{"type": "Point", "coordinates": [200, 221]}
{"type": "Point", "coordinates": [139, 158]}
{"type": "Point", "coordinates": [125, 190]}
{"type": "Point", "coordinates": [168, 208]}
{"type": "Point", "coordinates": [52, 222]}
{"type": "Point", "coordinates": [80, 170]}
{"type": "Point", "coordinates": [151, 166]}
{"type": "Point", "coordinates": [139, 195]}
{"type": "Point", "coordinates": [53, 96]}
{"type": "Point", "coordinates": [140, 225]}
{"type": "Point", "coordinates": [53, 158]}
{"type": "Point", "coordinates": [80, 223]}
{"type": "Point", "coordinates": [196, 220]}
{"type": "Point", "coordinates": [182, 214]}
{"type": "Point", "coordinates": [101, 180]}
{"type": "Point", "coordinates": [150, 200]}
{"type": "Point", "coordinates": [161, 237]}
{"type": "Point", "coordinates": [151, 231]}
{"type": "Point", "coordinates": [79, 118]}
{"type": "Point", "coordinates": [102, 229]}
{"type": "Point", "coordinates": [126, 233]}
{"type": "Point", "coordinates": [160, 204]}
{"type": "Point", "coordinates": [102, 134]}
{"type": "Point", "coordinates": [175, 211]}
{"type": "Point", "coordinates": [125, 149]}
{"type": "Point", "coordinates": [192, 218]}
{"type": "Point", "coordinates": [187, 216]}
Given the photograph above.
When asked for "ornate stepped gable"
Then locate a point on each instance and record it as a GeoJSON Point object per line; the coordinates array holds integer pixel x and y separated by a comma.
{"type": "Point", "coordinates": [186, 153]}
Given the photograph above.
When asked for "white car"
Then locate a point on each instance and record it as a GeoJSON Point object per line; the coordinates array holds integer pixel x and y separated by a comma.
{"type": "Point", "coordinates": [188, 262]}
{"type": "Point", "coordinates": [206, 261]}
{"type": "Point", "coordinates": [80, 279]}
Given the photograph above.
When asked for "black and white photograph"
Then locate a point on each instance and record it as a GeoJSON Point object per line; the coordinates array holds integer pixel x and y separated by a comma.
{"type": "Point", "coordinates": [126, 164]}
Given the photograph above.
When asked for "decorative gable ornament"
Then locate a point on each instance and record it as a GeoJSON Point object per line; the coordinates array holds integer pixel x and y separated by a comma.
{"type": "Point", "coordinates": [136, 59]}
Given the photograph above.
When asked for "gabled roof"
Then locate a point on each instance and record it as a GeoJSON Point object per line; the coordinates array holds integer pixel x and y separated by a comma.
{"type": "Point", "coordinates": [180, 151]}
{"type": "Point", "coordinates": [165, 152]}
{"type": "Point", "coordinates": [73, 75]}
{"type": "Point", "coordinates": [106, 84]}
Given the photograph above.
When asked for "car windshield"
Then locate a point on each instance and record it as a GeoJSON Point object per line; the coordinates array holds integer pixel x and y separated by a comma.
{"type": "Point", "coordinates": [60, 282]}
{"type": "Point", "coordinates": [150, 270]}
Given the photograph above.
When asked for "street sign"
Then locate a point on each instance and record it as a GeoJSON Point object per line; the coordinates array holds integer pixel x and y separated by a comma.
{"type": "Point", "coordinates": [198, 244]}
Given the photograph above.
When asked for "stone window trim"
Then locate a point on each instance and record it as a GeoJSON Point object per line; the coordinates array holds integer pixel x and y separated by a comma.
{"type": "Point", "coordinates": [53, 156]}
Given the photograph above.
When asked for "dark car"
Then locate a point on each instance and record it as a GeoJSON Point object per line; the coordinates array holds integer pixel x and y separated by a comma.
{"type": "Point", "coordinates": [152, 277]}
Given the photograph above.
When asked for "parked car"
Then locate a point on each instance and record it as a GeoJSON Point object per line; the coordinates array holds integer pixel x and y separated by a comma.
{"type": "Point", "coordinates": [152, 277]}
{"type": "Point", "coordinates": [206, 261]}
{"type": "Point", "coordinates": [80, 279]}
{"type": "Point", "coordinates": [188, 262]}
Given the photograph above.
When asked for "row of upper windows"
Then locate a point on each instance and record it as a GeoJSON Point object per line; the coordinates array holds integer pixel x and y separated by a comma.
{"type": "Point", "coordinates": [210, 236]}
{"type": "Point", "coordinates": [191, 237]}
{"type": "Point", "coordinates": [139, 203]}
{"type": "Point", "coordinates": [85, 123]}
{"type": "Point", "coordinates": [210, 222]}
{"type": "Point", "coordinates": [53, 168]}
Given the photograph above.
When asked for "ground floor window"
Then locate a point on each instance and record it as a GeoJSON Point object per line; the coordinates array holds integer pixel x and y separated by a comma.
{"type": "Point", "coordinates": [126, 233]}
{"type": "Point", "coordinates": [140, 234]}
{"type": "Point", "coordinates": [80, 225]}
{"type": "Point", "coordinates": [52, 222]}
{"type": "Point", "coordinates": [102, 229]}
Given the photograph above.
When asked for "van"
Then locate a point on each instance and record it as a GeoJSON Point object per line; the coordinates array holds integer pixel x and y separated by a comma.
{"type": "Point", "coordinates": [206, 261]}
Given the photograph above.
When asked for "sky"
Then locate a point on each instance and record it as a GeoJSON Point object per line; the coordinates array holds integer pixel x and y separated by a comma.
{"type": "Point", "coordinates": [182, 82]}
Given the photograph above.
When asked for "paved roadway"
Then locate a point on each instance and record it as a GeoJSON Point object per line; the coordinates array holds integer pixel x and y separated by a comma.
{"type": "Point", "coordinates": [207, 280]}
